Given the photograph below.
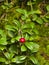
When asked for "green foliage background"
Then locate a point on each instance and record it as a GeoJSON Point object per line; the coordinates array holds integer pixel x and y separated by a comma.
{"type": "Point", "coordinates": [28, 19]}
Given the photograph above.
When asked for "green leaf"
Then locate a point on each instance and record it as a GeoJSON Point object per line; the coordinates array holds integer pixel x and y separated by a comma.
{"type": "Point", "coordinates": [32, 25]}
{"type": "Point", "coordinates": [34, 17]}
{"type": "Point", "coordinates": [28, 19]}
{"type": "Point", "coordinates": [25, 26]}
{"type": "Point", "coordinates": [34, 12]}
{"type": "Point", "coordinates": [2, 47]}
{"type": "Point", "coordinates": [31, 38]}
{"type": "Point", "coordinates": [35, 31]}
{"type": "Point", "coordinates": [47, 16]}
{"type": "Point", "coordinates": [1, 31]}
{"type": "Point", "coordinates": [33, 59]}
{"type": "Point", "coordinates": [8, 55]}
{"type": "Point", "coordinates": [10, 34]}
{"type": "Point", "coordinates": [23, 48]}
{"type": "Point", "coordinates": [29, 45]}
{"type": "Point", "coordinates": [17, 23]}
{"type": "Point", "coordinates": [39, 20]}
{"type": "Point", "coordinates": [3, 41]}
{"type": "Point", "coordinates": [13, 40]}
{"type": "Point", "coordinates": [13, 49]}
{"type": "Point", "coordinates": [22, 11]}
{"type": "Point", "coordinates": [37, 38]}
{"type": "Point", "coordinates": [29, 3]}
{"type": "Point", "coordinates": [35, 47]}
{"type": "Point", "coordinates": [2, 59]}
{"type": "Point", "coordinates": [28, 25]}
{"type": "Point", "coordinates": [47, 7]}
{"type": "Point", "coordinates": [23, 17]}
{"type": "Point", "coordinates": [45, 20]}
{"type": "Point", "coordinates": [28, 31]}
{"type": "Point", "coordinates": [26, 36]}
{"type": "Point", "coordinates": [19, 59]}
{"type": "Point", "coordinates": [9, 27]}
{"type": "Point", "coordinates": [37, 11]}
{"type": "Point", "coordinates": [3, 6]}
{"type": "Point", "coordinates": [32, 46]}
{"type": "Point", "coordinates": [18, 37]}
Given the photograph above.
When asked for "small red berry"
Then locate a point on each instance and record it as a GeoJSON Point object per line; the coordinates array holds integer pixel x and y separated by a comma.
{"type": "Point", "coordinates": [22, 40]}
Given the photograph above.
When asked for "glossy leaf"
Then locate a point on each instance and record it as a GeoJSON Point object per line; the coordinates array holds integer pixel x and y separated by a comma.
{"type": "Point", "coordinates": [39, 20]}
{"type": "Point", "coordinates": [18, 37]}
{"type": "Point", "coordinates": [8, 55]}
{"type": "Point", "coordinates": [32, 46]}
{"type": "Point", "coordinates": [19, 59]}
{"type": "Point", "coordinates": [3, 41]}
{"type": "Point", "coordinates": [33, 59]}
{"type": "Point", "coordinates": [9, 27]}
{"type": "Point", "coordinates": [26, 36]}
{"type": "Point", "coordinates": [23, 48]}
{"type": "Point", "coordinates": [17, 23]}
{"type": "Point", "coordinates": [22, 11]}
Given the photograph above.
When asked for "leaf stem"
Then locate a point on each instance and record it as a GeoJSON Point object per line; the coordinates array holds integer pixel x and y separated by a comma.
{"type": "Point", "coordinates": [31, 5]}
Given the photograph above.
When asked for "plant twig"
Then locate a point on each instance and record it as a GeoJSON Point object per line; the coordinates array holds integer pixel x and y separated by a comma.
{"type": "Point", "coordinates": [2, 16]}
{"type": "Point", "coordinates": [31, 5]}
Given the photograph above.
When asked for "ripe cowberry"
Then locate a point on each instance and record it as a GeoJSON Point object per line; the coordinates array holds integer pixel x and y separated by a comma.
{"type": "Point", "coordinates": [22, 40]}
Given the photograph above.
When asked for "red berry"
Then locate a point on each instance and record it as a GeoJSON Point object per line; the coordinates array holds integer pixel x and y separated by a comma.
{"type": "Point", "coordinates": [22, 40]}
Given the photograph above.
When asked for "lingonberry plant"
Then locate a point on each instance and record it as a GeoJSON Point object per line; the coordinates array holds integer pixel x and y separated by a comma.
{"type": "Point", "coordinates": [18, 32]}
